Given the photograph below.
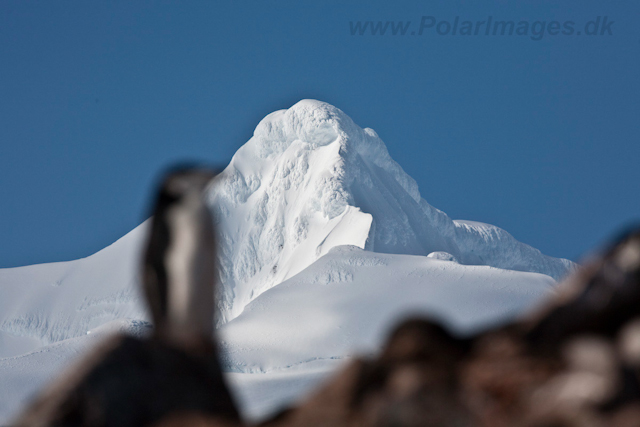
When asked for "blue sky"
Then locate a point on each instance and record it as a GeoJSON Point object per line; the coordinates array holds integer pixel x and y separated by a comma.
{"type": "Point", "coordinates": [539, 137]}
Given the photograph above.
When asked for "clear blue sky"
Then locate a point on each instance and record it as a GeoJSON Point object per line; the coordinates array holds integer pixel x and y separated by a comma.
{"type": "Point", "coordinates": [540, 137]}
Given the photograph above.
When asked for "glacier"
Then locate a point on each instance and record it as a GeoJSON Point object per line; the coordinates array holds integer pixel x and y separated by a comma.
{"type": "Point", "coordinates": [324, 242]}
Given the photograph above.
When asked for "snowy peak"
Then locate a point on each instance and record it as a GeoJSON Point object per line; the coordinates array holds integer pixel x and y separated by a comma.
{"type": "Point", "coordinates": [314, 123]}
{"type": "Point", "coordinates": [311, 179]}
{"type": "Point", "coordinates": [283, 202]}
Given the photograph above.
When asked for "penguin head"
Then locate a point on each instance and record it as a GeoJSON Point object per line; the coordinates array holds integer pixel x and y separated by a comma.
{"type": "Point", "coordinates": [180, 183]}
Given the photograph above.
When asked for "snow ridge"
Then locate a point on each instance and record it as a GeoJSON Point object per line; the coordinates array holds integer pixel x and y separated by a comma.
{"type": "Point", "coordinates": [311, 179]}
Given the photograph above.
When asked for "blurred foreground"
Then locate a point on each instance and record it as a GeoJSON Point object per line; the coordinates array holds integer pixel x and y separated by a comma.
{"type": "Point", "coordinates": [574, 363]}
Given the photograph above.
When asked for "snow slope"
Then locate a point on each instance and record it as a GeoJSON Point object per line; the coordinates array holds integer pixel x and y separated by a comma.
{"type": "Point", "coordinates": [348, 299]}
{"type": "Point", "coordinates": [293, 335]}
{"type": "Point", "coordinates": [324, 241]}
{"type": "Point", "coordinates": [46, 303]}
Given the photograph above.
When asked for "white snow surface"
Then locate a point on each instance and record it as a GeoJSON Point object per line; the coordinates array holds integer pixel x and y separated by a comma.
{"type": "Point", "coordinates": [325, 242]}
{"type": "Point", "coordinates": [310, 179]}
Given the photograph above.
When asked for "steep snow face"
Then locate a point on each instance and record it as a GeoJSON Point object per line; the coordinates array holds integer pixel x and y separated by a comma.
{"type": "Point", "coordinates": [284, 201]}
{"type": "Point", "coordinates": [310, 179]}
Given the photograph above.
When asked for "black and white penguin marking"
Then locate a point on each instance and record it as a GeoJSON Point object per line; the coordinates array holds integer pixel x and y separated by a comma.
{"type": "Point", "coordinates": [179, 264]}
{"type": "Point", "coordinates": [175, 374]}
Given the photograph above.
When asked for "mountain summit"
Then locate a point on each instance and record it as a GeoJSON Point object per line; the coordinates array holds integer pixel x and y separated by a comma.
{"type": "Point", "coordinates": [310, 179]}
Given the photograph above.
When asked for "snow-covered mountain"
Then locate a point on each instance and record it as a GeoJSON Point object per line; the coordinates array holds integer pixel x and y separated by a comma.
{"type": "Point", "coordinates": [311, 179]}
{"type": "Point", "coordinates": [324, 241]}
